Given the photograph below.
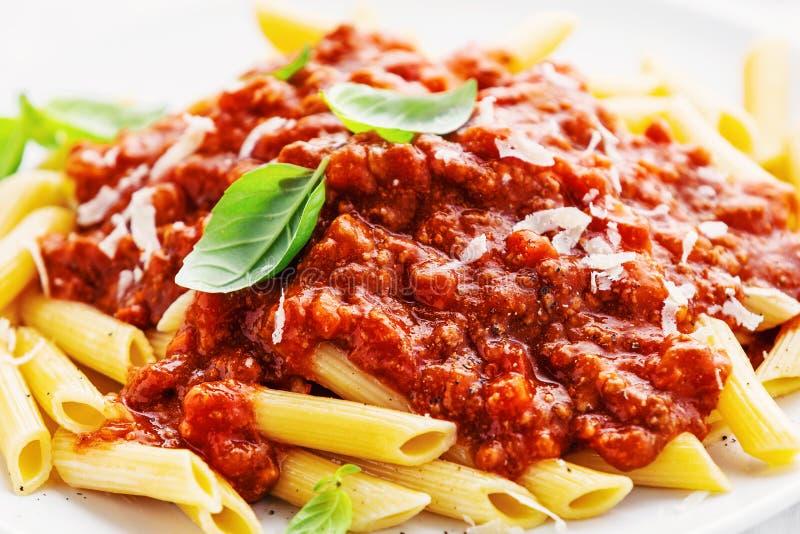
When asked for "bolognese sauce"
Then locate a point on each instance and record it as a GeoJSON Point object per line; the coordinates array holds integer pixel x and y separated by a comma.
{"type": "Point", "coordinates": [532, 277]}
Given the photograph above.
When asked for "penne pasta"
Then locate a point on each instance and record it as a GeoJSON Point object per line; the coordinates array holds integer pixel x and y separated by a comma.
{"type": "Point", "coordinates": [59, 387]}
{"type": "Point", "coordinates": [683, 464]}
{"type": "Point", "coordinates": [377, 503]}
{"type": "Point", "coordinates": [174, 475]}
{"type": "Point", "coordinates": [88, 335]}
{"type": "Point", "coordinates": [638, 112]}
{"type": "Point", "coordinates": [172, 318]}
{"type": "Point", "coordinates": [766, 91]}
{"type": "Point", "coordinates": [288, 31]}
{"type": "Point", "coordinates": [463, 492]}
{"type": "Point", "coordinates": [24, 438]}
{"type": "Point", "coordinates": [537, 37]}
{"type": "Point", "coordinates": [236, 516]}
{"type": "Point", "coordinates": [780, 370]}
{"type": "Point", "coordinates": [17, 265]}
{"type": "Point", "coordinates": [572, 491]}
{"type": "Point", "coordinates": [159, 342]}
{"type": "Point", "coordinates": [775, 306]}
{"type": "Point", "coordinates": [28, 191]}
{"type": "Point", "coordinates": [618, 86]}
{"type": "Point", "coordinates": [762, 428]}
{"type": "Point", "coordinates": [327, 424]}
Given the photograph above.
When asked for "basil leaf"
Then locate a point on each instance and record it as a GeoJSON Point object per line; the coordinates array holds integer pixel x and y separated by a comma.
{"type": "Point", "coordinates": [258, 226]}
{"type": "Point", "coordinates": [13, 137]}
{"type": "Point", "coordinates": [289, 70]}
{"type": "Point", "coordinates": [328, 512]}
{"type": "Point", "coordinates": [397, 117]}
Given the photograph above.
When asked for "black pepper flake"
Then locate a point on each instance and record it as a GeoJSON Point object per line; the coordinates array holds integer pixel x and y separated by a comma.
{"type": "Point", "coordinates": [724, 437]}
{"type": "Point", "coordinates": [272, 512]}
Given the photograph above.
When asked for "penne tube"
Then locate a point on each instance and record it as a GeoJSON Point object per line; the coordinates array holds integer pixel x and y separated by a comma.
{"type": "Point", "coordinates": [327, 424]}
{"type": "Point", "coordinates": [638, 112]}
{"type": "Point", "coordinates": [159, 342]}
{"type": "Point", "coordinates": [762, 428]}
{"type": "Point", "coordinates": [236, 516]}
{"type": "Point", "coordinates": [28, 191]}
{"type": "Point", "coordinates": [462, 492]}
{"type": "Point", "coordinates": [377, 503]}
{"type": "Point", "coordinates": [288, 30]}
{"type": "Point", "coordinates": [174, 314]}
{"type": "Point", "coordinates": [24, 438]}
{"type": "Point", "coordinates": [627, 86]}
{"type": "Point", "coordinates": [127, 467]}
{"type": "Point", "coordinates": [775, 306]}
{"type": "Point", "coordinates": [98, 341]}
{"type": "Point", "coordinates": [572, 491]}
{"type": "Point", "coordinates": [17, 265]}
{"type": "Point", "coordinates": [537, 37]}
{"type": "Point", "coordinates": [780, 370]}
{"type": "Point", "coordinates": [766, 91]}
{"type": "Point", "coordinates": [334, 370]}
{"type": "Point", "coordinates": [683, 464]}
{"type": "Point", "coordinates": [59, 387]}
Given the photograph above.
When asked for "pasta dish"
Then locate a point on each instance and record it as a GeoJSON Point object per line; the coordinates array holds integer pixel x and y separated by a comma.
{"type": "Point", "coordinates": [370, 283]}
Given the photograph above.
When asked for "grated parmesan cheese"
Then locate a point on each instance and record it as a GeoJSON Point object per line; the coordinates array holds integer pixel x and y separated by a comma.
{"type": "Point", "coordinates": [280, 321]}
{"type": "Point", "coordinates": [736, 310]}
{"type": "Point", "coordinates": [614, 177]}
{"type": "Point", "coordinates": [523, 148]}
{"type": "Point", "coordinates": [94, 210]}
{"type": "Point", "coordinates": [550, 74]}
{"type": "Point", "coordinates": [110, 243]}
{"type": "Point", "coordinates": [590, 195]}
{"type": "Point", "coordinates": [41, 268]}
{"type": "Point", "coordinates": [689, 241]}
{"type": "Point", "coordinates": [486, 113]}
{"type": "Point", "coordinates": [186, 145]}
{"type": "Point", "coordinates": [142, 216]}
{"type": "Point", "coordinates": [691, 500]}
{"type": "Point", "coordinates": [606, 267]}
{"type": "Point", "coordinates": [613, 235]}
{"type": "Point", "coordinates": [572, 220]}
{"type": "Point", "coordinates": [124, 283]}
{"type": "Point", "coordinates": [447, 154]}
{"type": "Point", "coordinates": [271, 125]}
{"type": "Point", "coordinates": [713, 229]}
{"type": "Point", "coordinates": [676, 299]}
{"type": "Point", "coordinates": [593, 142]}
{"type": "Point", "coordinates": [610, 141]}
{"type": "Point", "coordinates": [706, 191]}
{"type": "Point", "coordinates": [474, 250]}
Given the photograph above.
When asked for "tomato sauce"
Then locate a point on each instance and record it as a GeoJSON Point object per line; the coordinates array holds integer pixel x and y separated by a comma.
{"type": "Point", "coordinates": [530, 347]}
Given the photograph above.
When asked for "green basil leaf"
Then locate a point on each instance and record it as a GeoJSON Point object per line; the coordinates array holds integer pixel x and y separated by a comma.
{"type": "Point", "coordinates": [13, 137]}
{"type": "Point", "coordinates": [289, 70]}
{"type": "Point", "coordinates": [396, 116]}
{"type": "Point", "coordinates": [329, 512]}
{"type": "Point", "coordinates": [258, 226]}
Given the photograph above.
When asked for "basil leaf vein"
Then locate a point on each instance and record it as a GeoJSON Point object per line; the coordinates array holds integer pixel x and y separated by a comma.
{"type": "Point", "coordinates": [258, 226]}
{"type": "Point", "coordinates": [329, 511]}
{"type": "Point", "coordinates": [397, 117]}
{"type": "Point", "coordinates": [287, 71]}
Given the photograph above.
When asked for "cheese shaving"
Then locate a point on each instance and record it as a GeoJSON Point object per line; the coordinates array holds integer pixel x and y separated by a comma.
{"type": "Point", "coordinates": [486, 114]}
{"type": "Point", "coordinates": [691, 500]}
{"type": "Point", "coordinates": [271, 125]}
{"type": "Point", "coordinates": [689, 241]}
{"type": "Point", "coordinates": [677, 298]}
{"type": "Point", "coordinates": [186, 145]}
{"type": "Point", "coordinates": [110, 243]}
{"type": "Point", "coordinates": [447, 154]}
{"type": "Point", "coordinates": [280, 321]}
{"type": "Point", "coordinates": [614, 176]}
{"type": "Point", "coordinates": [124, 283]}
{"type": "Point", "coordinates": [572, 220]}
{"type": "Point", "coordinates": [93, 211]}
{"type": "Point", "coordinates": [523, 148]}
{"type": "Point", "coordinates": [606, 267]}
{"type": "Point", "coordinates": [590, 195]}
{"type": "Point", "coordinates": [550, 74]}
{"type": "Point", "coordinates": [593, 142]}
{"type": "Point", "coordinates": [142, 215]}
{"type": "Point", "coordinates": [495, 526]}
{"type": "Point", "coordinates": [713, 229]}
{"type": "Point", "coordinates": [706, 191]}
{"type": "Point", "coordinates": [474, 250]}
{"type": "Point", "coordinates": [612, 232]}
{"type": "Point", "coordinates": [41, 268]}
{"type": "Point", "coordinates": [736, 310]}
{"type": "Point", "coordinates": [610, 142]}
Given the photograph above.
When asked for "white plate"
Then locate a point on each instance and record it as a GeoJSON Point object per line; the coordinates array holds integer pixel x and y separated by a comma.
{"type": "Point", "coordinates": [179, 50]}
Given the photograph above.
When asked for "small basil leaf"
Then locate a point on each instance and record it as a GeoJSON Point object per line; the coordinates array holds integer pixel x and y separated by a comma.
{"type": "Point", "coordinates": [258, 226]}
{"type": "Point", "coordinates": [395, 116]}
{"type": "Point", "coordinates": [13, 137]}
{"type": "Point", "coordinates": [287, 71]}
{"type": "Point", "coordinates": [329, 512]}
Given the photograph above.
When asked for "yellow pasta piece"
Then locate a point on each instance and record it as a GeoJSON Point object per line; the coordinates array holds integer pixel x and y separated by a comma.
{"type": "Point", "coordinates": [638, 112]}
{"type": "Point", "coordinates": [328, 424]}
{"type": "Point", "coordinates": [174, 475]}
{"type": "Point", "coordinates": [159, 342]}
{"type": "Point", "coordinates": [24, 439]}
{"type": "Point", "coordinates": [17, 266]}
{"type": "Point", "coordinates": [780, 370]}
{"type": "Point", "coordinates": [334, 370]}
{"type": "Point", "coordinates": [762, 428]}
{"type": "Point", "coordinates": [775, 306]}
{"type": "Point", "coordinates": [628, 86]}
{"type": "Point", "coordinates": [60, 388]}
{"type": "Point", "coordinates": [537, 37]}
{"type": "Point", "coordinates": [30, 190]}
{"type": "Point", "coordinates": [174, 314]}
{"type": "Point", "coordinates": [99, 341]}
{"type": "Point", "coordinates": [766, 91]}
{"type": "Point", "coordinates": [462, 492]}
{"type": "Point", "coordinates": [377, 503]}
{"type": "Point", "coordinates": [236, 516]}
{"type": "Point", "coordinates": [572, 491]}
{"type": "Point", "coordinates": [288, 30]}
{"type": "Point", "coordinates": [684, 464]}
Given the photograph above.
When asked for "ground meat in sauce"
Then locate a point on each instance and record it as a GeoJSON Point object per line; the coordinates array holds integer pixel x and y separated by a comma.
{"type": "Point", "coordinates": [530, 349]}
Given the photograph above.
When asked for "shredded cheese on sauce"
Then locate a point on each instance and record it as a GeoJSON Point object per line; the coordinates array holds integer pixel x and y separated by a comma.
{"type": "Point", "coordinates": [606, 267]}
{"type": "Point", "coordinates": [612, 232]}
{"type": "Point", "coordinates": [590, 195]}
{"type": "Point", "coordinates": [593, 142]}
{"type": "Point", "coordinates": [689, 241]}
{"type": "Point", "coordinates": [94, 211]}
{"type": "Point", "coordinates": [280, 321]}
{"type": "Point", "coordinates": [475, 250]}
{"type": "Point", "coordinates": [736, 310]}
{"type": "Point", "coordinates": [447, 154]}
{"type": "Point", "coordinates": [186, 145]}
{"type": "Point", "coordinates": [142, 215]}
{"type": "Point", "coordinates": [713, 229]}
{"type": "Point", "coordinates": [550, 74]}
{"type": "Point", "coordinates": [271, 125]}
{"type": "Point", "coordinates": [520, 146]}
{"type": "Point", "coordinates": [110, 243]}
{"type": "Point", "coordinates": [485, 113]}
{"type": "Point", "coordinates": [572, 220]}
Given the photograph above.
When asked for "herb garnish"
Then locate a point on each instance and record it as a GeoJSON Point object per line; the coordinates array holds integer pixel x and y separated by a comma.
{"type": "Point", "coordinates": [290, 69]}
{"type": "Point", "coordinates": [328, 512]}
{"type": "Point", "coordinates": [258, 226]}
{"type": "Point", "coordinates": [397, 117]}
